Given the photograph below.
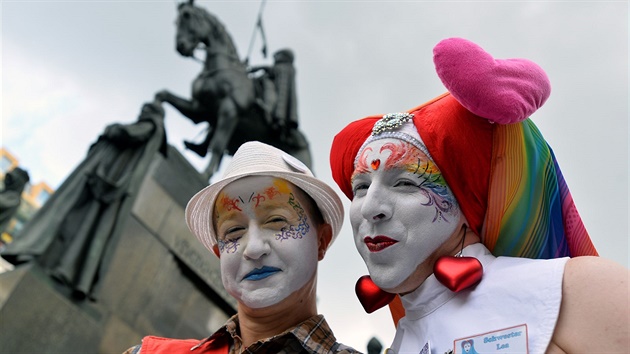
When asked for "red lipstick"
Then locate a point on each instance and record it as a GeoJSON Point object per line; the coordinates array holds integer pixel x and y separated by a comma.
{"type": "Point", "coordinates": [378, 243]}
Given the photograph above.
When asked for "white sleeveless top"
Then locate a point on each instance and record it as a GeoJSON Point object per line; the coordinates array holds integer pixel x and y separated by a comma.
{"type": "Point", "coordinates": [513, 309]}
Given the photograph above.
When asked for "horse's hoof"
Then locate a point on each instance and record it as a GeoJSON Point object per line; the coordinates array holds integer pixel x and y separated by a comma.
{"type": "Point", "coordinates": [199, 149]}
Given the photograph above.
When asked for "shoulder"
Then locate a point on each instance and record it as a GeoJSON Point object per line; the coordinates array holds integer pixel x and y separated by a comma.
{"type": "Point", "coordinates": [588, 280]}
{"type": "Point", "coordinates": [343, 349]}
{"type": "Point", "coordinates": [133, 350]}
{"type": "Point", "coordinates": [162, 345]}
{"type": "Point", "coordinates": [591, 265]}
{"type": "Point", "coordinates": [594, 311]}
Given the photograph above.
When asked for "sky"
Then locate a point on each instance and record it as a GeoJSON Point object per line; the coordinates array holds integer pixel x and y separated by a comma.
{"type": "Point", "coordinates": [70, 68]}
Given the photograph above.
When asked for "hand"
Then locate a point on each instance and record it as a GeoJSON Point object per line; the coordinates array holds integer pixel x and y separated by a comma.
{"type": "Point", "coordinates": [154, 107]}
{"type": "Point", "coordinates": [162, 96]}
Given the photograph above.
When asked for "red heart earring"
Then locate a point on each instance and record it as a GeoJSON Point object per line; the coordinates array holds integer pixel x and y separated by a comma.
{"type": "Point", "coordinates": [458, 272]}
{"type": "Point", "coordinates": [370, 295]}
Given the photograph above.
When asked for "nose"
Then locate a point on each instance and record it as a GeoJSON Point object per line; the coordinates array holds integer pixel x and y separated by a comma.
{"type": "Point", "coordinates": [257, 243]}
{"type": "Point", "coordinates": [377, 206]}
{"type": "Point", "coordinates": [180, 46]}
{"type": "Point", "coordinates": [182, 43]}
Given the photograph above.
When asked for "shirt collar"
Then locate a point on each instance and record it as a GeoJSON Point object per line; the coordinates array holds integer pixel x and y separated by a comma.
{"type": "Point", "coordinates": [314, 335]}
{"type": "Point", "coordinates": [432, 294]}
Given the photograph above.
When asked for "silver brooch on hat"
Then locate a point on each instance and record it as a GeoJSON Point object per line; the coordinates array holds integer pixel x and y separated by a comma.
{"type": "Point", "coordinates": [391, 121]}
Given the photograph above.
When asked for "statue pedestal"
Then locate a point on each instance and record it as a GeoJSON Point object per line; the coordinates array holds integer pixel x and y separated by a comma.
{"type": "Point", "coordinates": [34, 317]}
{"type": "Point", "coordinates": [160, 281]}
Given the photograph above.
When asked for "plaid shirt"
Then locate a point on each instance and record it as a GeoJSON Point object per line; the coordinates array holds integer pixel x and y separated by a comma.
{"type": "Point", "coordinates": [312, 336]}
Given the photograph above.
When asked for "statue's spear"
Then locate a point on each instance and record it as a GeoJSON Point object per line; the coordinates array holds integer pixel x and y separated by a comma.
{"type": "Point", "coordinates": [257, 27]}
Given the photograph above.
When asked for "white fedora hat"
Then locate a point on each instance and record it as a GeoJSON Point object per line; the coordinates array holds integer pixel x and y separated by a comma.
{"type": "Point", "coordinates": [258, 159]}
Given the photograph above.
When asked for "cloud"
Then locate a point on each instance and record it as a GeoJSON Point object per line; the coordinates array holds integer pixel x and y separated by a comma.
{"type": "Point", "coordinates": [50, 116]}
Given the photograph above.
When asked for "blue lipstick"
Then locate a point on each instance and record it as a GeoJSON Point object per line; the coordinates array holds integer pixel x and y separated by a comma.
{"type": "Point", "coordinates": [261, 273]}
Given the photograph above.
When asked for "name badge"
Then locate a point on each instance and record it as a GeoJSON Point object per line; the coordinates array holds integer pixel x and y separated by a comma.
{"type": "Point", "coordinates": [507, 340]}
{"type": "Point", "coordinates": [426, 349]}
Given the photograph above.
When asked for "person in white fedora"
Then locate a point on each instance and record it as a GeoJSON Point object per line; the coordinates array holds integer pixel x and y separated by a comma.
{"type": "Point", "coordinates": [270, 222]}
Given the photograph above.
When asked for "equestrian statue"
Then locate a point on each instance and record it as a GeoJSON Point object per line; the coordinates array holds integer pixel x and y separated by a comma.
{"type": "Point", "coordinates": [240, 103]}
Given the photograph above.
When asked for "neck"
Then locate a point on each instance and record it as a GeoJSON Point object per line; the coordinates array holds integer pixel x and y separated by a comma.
{"type": "Point", "coordinates": [260, 324]}
{"type": "Point", "coordinates": [450, 248]}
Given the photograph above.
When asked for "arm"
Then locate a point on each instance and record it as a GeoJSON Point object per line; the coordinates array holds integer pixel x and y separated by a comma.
{"type": "Point", "coordinates": [253, 69]}
{"type": "Point", "coordinates": [594, 311]}
{"type": "Point", "coordinates": [131, 134]}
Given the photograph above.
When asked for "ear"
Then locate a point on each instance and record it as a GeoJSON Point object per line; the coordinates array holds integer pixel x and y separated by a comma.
{"type": "Point", "coordinates": [324, 236]}
{"type": "Point", "coordinates": [215, 249]}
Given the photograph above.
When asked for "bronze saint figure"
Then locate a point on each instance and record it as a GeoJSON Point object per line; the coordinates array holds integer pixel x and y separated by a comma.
{"type": "Point", "coordinates": [11, 195]}
{"type": "Point", "coordinates": [71, 234]}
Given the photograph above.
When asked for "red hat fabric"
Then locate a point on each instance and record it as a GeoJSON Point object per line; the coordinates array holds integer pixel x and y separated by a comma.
{"type": "Point", "coordinates": [499, 167]}
{"type": "Point", "coordinates": [459, 142]}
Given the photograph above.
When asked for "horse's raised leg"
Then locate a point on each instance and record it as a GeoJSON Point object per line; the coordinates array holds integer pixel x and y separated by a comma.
{"type": "Point", "coordinates": [189, 108]}
{"type": "Point", "coordinates": [202, 148]}
{"type": "Point", "coordinates": [227, 119]}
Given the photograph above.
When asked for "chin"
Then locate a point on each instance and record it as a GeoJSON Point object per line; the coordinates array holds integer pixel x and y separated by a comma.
{"type": "Point", "coordinates": [386, 282]}
{"type": "Point", "coordinates": [261, 302]}
{"type": "Point", "coordinates": [393, 282]}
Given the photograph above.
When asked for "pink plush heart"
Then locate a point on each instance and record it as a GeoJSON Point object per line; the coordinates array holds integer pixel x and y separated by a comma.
{"type": "Point", "coordinates": [503, 91]}
{"type": "Point", "coordinates": [458, 273]}
{"type": "Point", "coordinates": [370, 295]}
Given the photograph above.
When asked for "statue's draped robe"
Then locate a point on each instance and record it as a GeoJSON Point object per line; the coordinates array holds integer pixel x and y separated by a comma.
{"type": "Point", "coordinates": [72, 235]}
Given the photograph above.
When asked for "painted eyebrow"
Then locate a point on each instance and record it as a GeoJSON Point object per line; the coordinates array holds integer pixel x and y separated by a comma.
{"type": "Point", "coordinates": [270, 206]}
{"type": "Point", "coordinates": [227, 215]}
{"type": "Point", "coordinates": [360, 170]}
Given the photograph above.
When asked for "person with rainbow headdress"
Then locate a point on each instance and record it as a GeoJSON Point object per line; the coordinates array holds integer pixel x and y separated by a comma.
{"type": "Point", "coordinates": [466, 224]}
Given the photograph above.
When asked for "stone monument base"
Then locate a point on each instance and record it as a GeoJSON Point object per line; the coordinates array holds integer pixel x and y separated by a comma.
{"type": "Point", "coordinates": [160, 281]}
{"type": "Point", "coordinates": [36, 318]}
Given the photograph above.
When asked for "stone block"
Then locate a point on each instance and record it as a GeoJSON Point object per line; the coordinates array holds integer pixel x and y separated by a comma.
{"type": "Point", "coordinates": [35, 318]}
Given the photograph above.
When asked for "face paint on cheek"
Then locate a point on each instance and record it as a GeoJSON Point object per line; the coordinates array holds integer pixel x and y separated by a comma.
{"type": "Point", "coordinates": [295, 231]}
{"type": "Point", "coordinates": [228, 246]}
{"type": "Point", "coordinates": [227, 205]}
{"type": "Point", "coordinates": [436, 190]}
{"type": "Point", "coordinates": [432, 184]}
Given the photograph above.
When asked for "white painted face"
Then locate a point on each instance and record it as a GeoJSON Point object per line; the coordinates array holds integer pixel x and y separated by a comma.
{"type": "Point", "coordinates": [402, 211]}
{"type": "Point", "coordinates": [268, 244]}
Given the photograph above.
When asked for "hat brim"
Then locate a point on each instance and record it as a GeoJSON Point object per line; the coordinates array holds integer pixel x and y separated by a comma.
{"type": "Point", "coordinates": [200, 208]}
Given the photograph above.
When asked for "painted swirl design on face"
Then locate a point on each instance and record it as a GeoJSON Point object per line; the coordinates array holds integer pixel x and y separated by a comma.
{"type": "Point", "coordinates": [432, 183]}
{"type": "Point", "coordinates": [404, 155]}
{"type": "Point", "coordinates": [228, 246]}
{"type": "Point", "coordinates": [295, 231]}
{"type": "Point", "coordinates": [227, 204]}
{"type": "Point", "coordinates": [278, 195]}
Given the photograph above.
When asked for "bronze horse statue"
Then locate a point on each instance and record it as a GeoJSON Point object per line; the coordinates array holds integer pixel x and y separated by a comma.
{"type": "Point", "coordinates": [228, 96]}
